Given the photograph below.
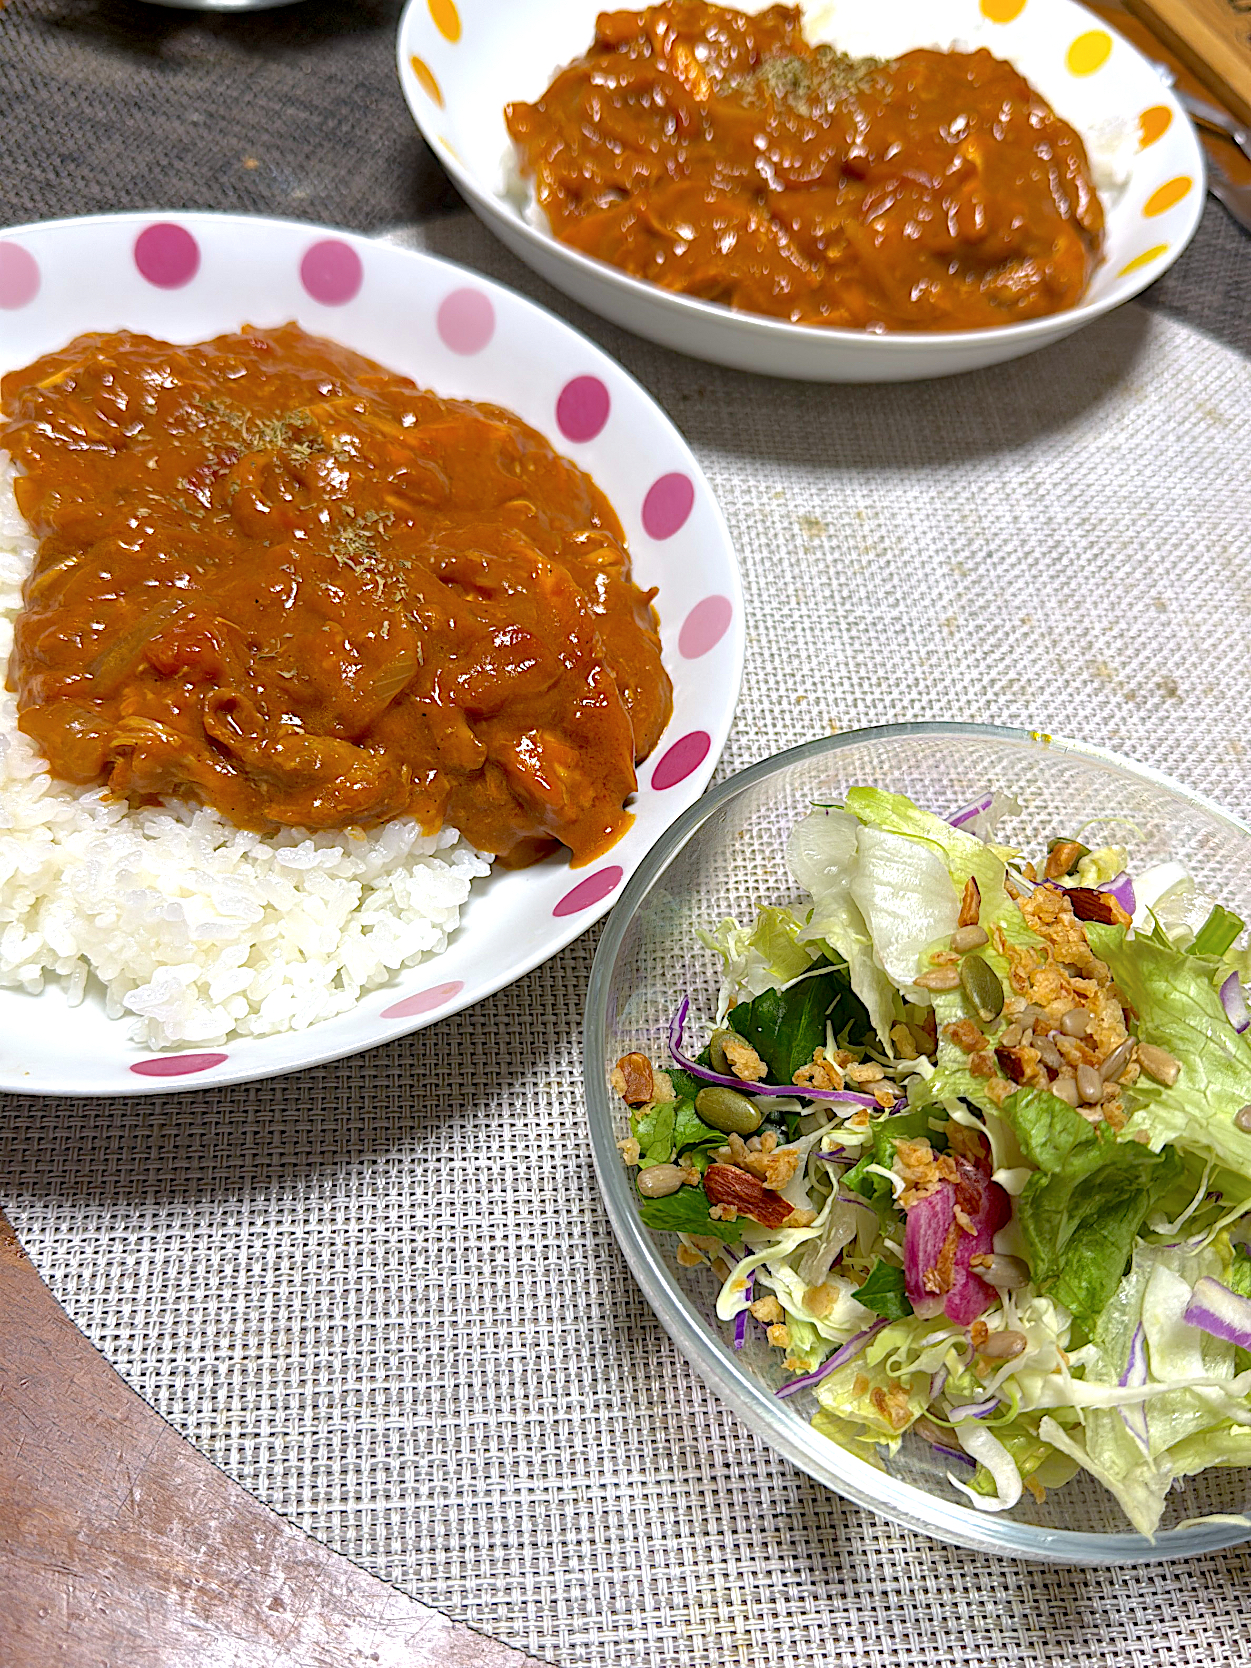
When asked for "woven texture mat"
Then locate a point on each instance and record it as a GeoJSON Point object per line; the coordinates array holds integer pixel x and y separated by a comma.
{"type": "Point", "coordinates": [382, 1294]}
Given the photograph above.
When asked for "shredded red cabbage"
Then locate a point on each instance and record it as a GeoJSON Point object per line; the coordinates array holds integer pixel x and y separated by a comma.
{"type": "Point", "coordinates": [840, 1358]}
{"type": "Point", "coordinates": [974, 1410]}
{"type": "Point", "coordinates": [1234, 1002]}
{"type": "Point", "coordinates": [740, 1320]}
{"type": "Point", "coordinates": [1135, 1374]}
{"type": "Point", "coordinates": [954, 1453]}
{"type": "Point", "coordinates": [1214, 1309]}
{"type": "Point", "coordinates": [966, 813]}
{"type": "Point", "coordinates": [791, 1091]}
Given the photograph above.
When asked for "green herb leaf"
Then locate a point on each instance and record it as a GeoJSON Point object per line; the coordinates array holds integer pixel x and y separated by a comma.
{"type": "Point", "coordinates": [652, 1128]}
{"type": "Point", "coordinates": [685, 1087]}
{"type": "Point", "coordinates": [883, 1291]}
{"type": "Point", "coordinates": [693, 1138]}
{"type": "Point", "coordinates": [785, 1027]}
{"type": "Point", "coordinates": [900, 1126]}
{"type": "Point", "coordinates": [686, 1212]}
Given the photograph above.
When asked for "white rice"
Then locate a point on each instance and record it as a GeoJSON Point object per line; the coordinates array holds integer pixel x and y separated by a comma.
{"type": "Point", "coordinates": [196, 928]}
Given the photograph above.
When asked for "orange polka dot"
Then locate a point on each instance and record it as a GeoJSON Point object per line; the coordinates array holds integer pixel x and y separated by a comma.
{"type": "Point", "coordinates": [1153, 124]}
{"type": "Point", "coordinates": [1172, 191]}
{"type": "Point", "coordinates": [446, 18]}
{"type": "Point", "coordinates": [426, 80]}
{"type": "Point", "coordinates": [1089, 52]}
{"type": "Point", "coordinates": [1002, 11]}
{"type": "Point", "coordinates": [1145, 259]}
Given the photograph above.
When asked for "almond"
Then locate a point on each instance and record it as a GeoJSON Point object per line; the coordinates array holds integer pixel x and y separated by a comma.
{"type": "Point", "coordinates": [726, 1185]}
{"type": "Point", "coordinates": [1089, 905]}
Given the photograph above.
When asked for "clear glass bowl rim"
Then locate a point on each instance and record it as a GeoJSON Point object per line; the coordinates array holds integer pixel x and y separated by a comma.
{"type": "Point", "coordinates": [821, 1459]}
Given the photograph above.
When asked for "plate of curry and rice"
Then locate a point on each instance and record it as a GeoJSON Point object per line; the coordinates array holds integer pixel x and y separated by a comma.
{"type": "Point", "coordinates": [365, 626]}
{"type": "Point", "coordinates": [827, 191]}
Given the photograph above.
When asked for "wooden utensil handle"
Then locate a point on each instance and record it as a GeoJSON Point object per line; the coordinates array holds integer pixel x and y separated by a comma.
{"type": "Point", "coordinates": [1213, 38]}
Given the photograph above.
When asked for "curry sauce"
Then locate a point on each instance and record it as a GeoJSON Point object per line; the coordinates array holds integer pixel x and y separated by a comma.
{"type": "Point", "coordinates": [722, 156]}
{"type": "Point", "coordinates": [277, 579]}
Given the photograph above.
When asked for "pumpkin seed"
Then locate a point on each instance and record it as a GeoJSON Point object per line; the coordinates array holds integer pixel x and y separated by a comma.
{"type": "Point", "coordinates": [716, 1050]}
{"type": "Point", "coordinates": [982, 988]}
{"type": "Point", "coordinates": [727, 1110]}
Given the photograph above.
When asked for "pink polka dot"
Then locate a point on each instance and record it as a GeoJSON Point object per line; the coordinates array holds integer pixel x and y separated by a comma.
{"type": "Point", "coordinates": [590, 890]}
{"type": "Point", "coordinates": [177, 1065]}
{"type": "Point", "coordinates": [668, 503]}
{"type": "Point", "coordinates": [686, 755]}
{"type": "Point", "coordinates": [425, 1001]}
{"type": "Point", "coordinates": [19, 275]}
{"type": "Point", "coordinates": [331, 272]}
{"type": "Point", "coordinates": [704, 627]}
{"type": "Point", "coordinates": [466, 320]}
{"type": "Point", "coordinates": [582, 409]}
{"type": "Point", "coordinates": [167, 256]}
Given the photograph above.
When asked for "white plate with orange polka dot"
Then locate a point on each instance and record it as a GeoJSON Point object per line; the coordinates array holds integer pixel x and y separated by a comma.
{"type": "Point", "coordinates": [188, 277]}
{"type": "Point", "coordinates": [461, 61]}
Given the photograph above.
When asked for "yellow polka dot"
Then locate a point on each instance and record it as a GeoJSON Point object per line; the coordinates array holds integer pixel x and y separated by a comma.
{"type": "Point", "coordinates": [1089, 52]}
{"type": "Point", "coordinates": [1002, 11]}
{"type": "Point", "coordinates": [1153, 124]}
{"type": "Point", "coordinates": [446, 18]}
{"type": "Point", "coordinates": [1145, 259]}
{"type": "Point", "coordinates": [1172, 191]}
{"type": "Point", "coordinates": [426, 80]}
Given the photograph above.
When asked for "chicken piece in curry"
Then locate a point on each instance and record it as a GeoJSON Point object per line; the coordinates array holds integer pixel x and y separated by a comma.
{"type": "Point", "coordinates": [277, 579]}
{"type": "Point", "coordinates": [722, 156]}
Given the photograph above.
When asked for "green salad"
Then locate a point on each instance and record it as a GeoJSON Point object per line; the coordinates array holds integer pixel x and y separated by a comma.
{"type": "Point", "coordinates": [968, 1139]}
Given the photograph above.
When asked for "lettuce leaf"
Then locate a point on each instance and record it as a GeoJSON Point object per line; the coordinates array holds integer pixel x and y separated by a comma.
{"type": "Point", "coordinates": [757, 958]}
{"type": "Point", "coordinates": [1080, 1214]}
{"type": "Point", "coordinates": [906, 897]}
{"type": "Point", "coordinates": [1179, 1010]}
{"type": "Point", "coordinates": [964, 856]}
{"type": "Point", "coordinates": [822, 855]}
{"type": "Point", "coordinates": [1185, 1425]}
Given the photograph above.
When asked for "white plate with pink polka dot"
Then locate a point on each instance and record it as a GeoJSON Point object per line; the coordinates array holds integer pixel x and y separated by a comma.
{"type": "Point", "coordinates": [187, 277]}
{"type": "Point", "coordinates": [461, 61]}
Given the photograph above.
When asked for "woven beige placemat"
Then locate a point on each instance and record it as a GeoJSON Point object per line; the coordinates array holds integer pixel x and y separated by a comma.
{"type": "Point", "coordinates": [383, 1295]}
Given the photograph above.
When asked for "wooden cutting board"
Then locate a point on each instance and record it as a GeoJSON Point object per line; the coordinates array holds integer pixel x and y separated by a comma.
{"type": "Point", "coordinates": [122, 1547]}
{"type": "Point", "coordinates": [1212, 38]}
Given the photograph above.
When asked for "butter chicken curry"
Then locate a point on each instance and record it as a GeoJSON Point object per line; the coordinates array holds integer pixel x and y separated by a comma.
{"type": "Point", "coordinates": [721, 155]}
{"type": "Point", "coordinates": [278, 579]}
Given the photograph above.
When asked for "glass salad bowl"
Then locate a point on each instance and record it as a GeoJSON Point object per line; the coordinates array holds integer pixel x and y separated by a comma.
{"type": "Point", "coordinates": [726, 857]}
